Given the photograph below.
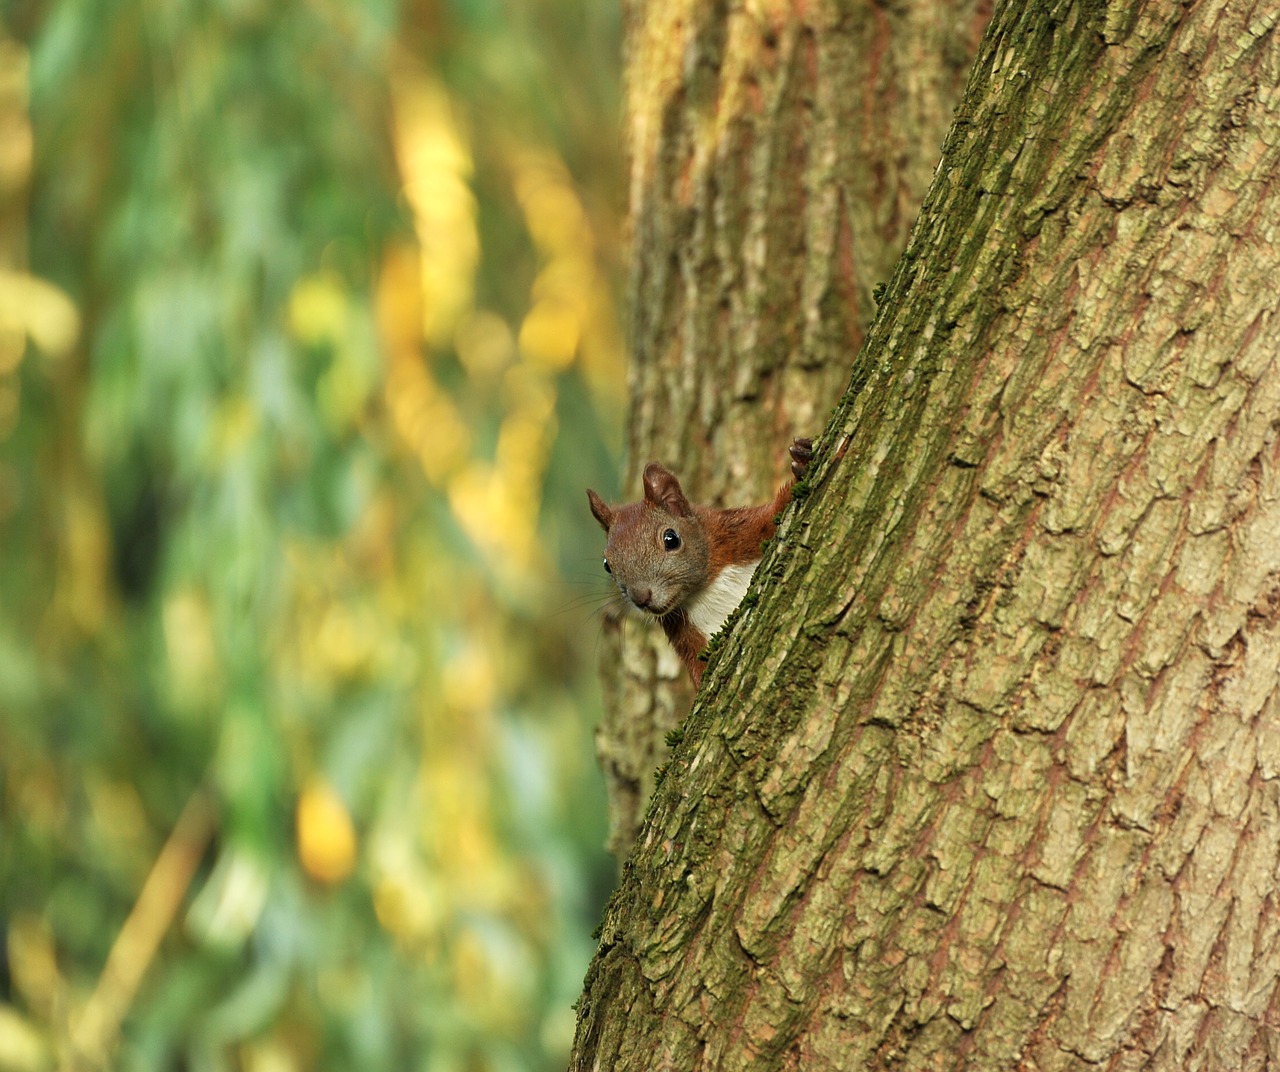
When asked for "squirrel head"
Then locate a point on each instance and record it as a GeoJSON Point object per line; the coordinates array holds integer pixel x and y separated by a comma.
{"type": "Point", "coordinates": [657, 550]}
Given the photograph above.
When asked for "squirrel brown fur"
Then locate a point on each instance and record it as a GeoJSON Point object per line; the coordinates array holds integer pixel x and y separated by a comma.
{"type": "Point", "coordinates": [688, 565]}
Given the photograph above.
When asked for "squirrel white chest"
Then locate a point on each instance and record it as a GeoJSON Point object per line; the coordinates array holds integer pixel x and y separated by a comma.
{"type": "Point", "coordinates": [710, 607]}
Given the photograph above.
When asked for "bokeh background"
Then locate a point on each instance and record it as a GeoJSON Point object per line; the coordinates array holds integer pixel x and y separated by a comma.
{"type": "Point", "coordinates": [308, 347]}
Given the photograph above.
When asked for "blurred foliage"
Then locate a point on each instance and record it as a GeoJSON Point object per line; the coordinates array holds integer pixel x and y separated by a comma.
{"type": "Point", "coordinates": [307, 348]}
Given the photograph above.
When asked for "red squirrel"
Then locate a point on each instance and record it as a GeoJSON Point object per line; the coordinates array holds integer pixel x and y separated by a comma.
{"type": "Point", "coordinates": [688, 565]}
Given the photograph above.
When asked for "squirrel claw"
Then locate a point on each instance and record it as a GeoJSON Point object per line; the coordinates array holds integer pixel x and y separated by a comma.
{"type": "Point", "coordinates": [801, 452]}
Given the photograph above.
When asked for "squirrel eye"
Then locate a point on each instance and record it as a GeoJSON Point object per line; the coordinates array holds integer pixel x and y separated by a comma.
{"type": "Point", "coordinates": [606, 566]}
{"type": "Point", "coordinates": [670, 540]}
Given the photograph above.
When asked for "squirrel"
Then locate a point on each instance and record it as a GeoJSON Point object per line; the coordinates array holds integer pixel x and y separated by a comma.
{"type": "Point", "coordinates": [688, 565]}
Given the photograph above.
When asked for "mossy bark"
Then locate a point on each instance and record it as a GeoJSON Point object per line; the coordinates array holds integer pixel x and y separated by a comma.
{"type": "Point", "coordinates": [778, 155]}
{"type": "Point", "coordinates": [990, 776]}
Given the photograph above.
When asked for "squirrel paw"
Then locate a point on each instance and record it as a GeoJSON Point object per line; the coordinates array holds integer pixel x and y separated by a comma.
{"type": "Point", "coordinates": [801, 455]}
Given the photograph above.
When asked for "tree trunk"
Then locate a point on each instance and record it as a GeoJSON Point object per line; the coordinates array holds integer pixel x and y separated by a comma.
{"type": "Point", "coordinates": [990, 777]}
{"type": "Point", "coordinates": [778, 158]}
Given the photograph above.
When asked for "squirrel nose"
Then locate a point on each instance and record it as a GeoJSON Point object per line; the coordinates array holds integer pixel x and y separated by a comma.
{"type": "Point", "coordinates": [641, 597]}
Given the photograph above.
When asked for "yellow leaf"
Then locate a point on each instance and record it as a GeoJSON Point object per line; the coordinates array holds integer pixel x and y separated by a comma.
{"type": "Point", "coordinates": [550, 333]}
{"type": "Point", "coordinates": [40, 310]}
{"type": "Point", "coordinates": [318, 310]}
{"type": "Point", "coordinates": [326, 834]}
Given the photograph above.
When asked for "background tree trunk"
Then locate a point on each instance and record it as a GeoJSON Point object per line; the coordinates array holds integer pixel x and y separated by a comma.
{"type": "Point", "coordinates": [989, 778]}
{"type": "Point", "coordinates": [778, 157]}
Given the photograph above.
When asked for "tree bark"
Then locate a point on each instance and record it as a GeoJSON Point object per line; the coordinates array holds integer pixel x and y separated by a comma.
{"type": "Point", "coordinates": [990, 777]}
{"type": "Point", "coordinates": [778, 154]}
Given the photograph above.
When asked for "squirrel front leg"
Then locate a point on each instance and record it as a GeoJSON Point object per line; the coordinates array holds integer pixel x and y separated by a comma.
{"type": "Point", "coordinates": [801, 451]}
{"type": "Point", "coordinates": [741, 532]}
{"type": "Point", "coordinates": [737, 539]}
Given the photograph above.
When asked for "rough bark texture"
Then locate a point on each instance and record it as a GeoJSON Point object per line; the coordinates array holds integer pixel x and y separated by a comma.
{"type": "Point", "coordinates": [990, 777]}
{"type": "Point", "coordinates": [779, 153]}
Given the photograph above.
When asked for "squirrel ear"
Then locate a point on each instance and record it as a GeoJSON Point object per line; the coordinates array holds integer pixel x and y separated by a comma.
{"type": "Point", "coordinates": [661, 488]}
{"type": "Point", "coordinates": [600, 510]}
